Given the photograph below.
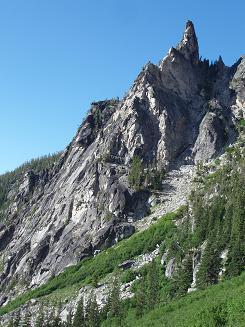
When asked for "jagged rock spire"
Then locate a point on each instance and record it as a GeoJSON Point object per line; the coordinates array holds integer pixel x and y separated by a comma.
{"type": "Point", "coordinates": [188, 46]}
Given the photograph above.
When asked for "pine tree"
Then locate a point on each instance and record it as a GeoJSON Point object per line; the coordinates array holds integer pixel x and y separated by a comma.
{"type": "Point", "coordinates": [136, 173]}
{"type": "Point", "coordinates": [208, 273]}
{"type": "Point", "coordinates": [140, 298]}
{"type": "Point", "coordinates": [184, 276]}
{"type": "Point", "coordinates": [152, 286]}
{"type": "Point", "coordinates": [114, 302]}
{"type": "Point", "coordinates": [235, 262]}
{"type": "Point", "coordinates": [92, 312]}
{"type": "Point", "coordinates": [104, 312]}
{"type": "Point", "coordinates": [200, 219]}
{"type": "Point", "coordinates": [95, 280]}
{"type": "Point", "coordinates": [79, 320]}
{"type": "Point", "coordinates": [227, 225]}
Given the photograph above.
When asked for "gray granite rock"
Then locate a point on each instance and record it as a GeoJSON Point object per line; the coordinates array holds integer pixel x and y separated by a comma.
{"type": "Point", "coordinates": [176, 113]}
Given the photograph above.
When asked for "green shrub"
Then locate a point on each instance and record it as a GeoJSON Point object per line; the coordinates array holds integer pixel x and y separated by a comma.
{"type": "Point", "coordinates": [136, 174]}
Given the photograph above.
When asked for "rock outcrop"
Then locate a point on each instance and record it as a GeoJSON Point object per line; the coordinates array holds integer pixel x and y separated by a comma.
{"type": "Point", "coordinates": [177, 113]}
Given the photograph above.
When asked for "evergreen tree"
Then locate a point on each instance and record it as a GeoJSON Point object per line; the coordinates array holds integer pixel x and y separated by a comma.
{"type": "Point", "coordinates": [92, 312]}
{"type": "Point", "coordinates": [152, 286]}
{"type": "Point", "coordinates": [184, 276]}
{"type": "Point", "coordinates": [136, 173]}
{"type": "Point", "coordinates": [153, 179]}
{"type": "Point", "coordinates": [104, 312]}
{"type": "Point", "coordinates": [236, 250]}
{"type": "Point", "coordinates": [215, 217]}
{"type": "Point", "coordinates": [227, 225]}
{"type": "Point", "coordinates": [200, 219]}
{"type": "Point", "coordinates": [140, 298]}
{"type": "Point", "coordinates": [95, 280]}
{"type": "Point", "coordinates": [114, 301]}
{"type": "Point", "coordinates": [208, 273]}
{"type": "Point", "coordinates": [79, 320]}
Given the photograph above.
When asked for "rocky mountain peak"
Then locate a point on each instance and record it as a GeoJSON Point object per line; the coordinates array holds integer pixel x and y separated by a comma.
{"type": "Point", "coordinates": [188, 46]}
{"type": "Point", "coordinates": [176, 115]}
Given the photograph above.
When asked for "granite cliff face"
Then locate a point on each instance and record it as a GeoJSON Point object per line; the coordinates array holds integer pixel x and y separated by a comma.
{"type": "Point", "coordinates": [177, 113]}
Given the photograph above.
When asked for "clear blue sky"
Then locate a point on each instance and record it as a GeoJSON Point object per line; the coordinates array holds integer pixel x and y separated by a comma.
{"type": "Point", "coordinates": [57, 56]}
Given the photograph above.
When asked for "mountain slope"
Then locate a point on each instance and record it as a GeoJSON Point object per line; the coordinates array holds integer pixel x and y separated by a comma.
{"type": "Point", "coordinates": [123, 163]}
{"type": "Point", "coordinates": [220, 305]}
{"type": "Point", "coordinates": [197, 246]}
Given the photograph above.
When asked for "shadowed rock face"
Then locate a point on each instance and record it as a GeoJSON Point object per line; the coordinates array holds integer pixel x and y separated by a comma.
{"type": "Point", "coordinates": [178, 112]}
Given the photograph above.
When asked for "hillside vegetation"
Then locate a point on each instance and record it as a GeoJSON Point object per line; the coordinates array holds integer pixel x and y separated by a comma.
{"type": "Point", "coordinates": [103, 264]}
{"type": "Point", "coordinates": [220, 305]}
{"type": "Point", "coordinates": [212, 224]}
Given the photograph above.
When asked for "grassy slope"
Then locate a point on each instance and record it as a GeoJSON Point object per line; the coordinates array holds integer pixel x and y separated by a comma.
{"type": "Point", "coordinates": [217, 306]}
{"type": "Point", "coordinates": [104, 263]}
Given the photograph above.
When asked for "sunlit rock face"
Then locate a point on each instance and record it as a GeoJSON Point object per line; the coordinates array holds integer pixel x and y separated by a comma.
{"type": "Point", "coordinates": [177, 113]}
